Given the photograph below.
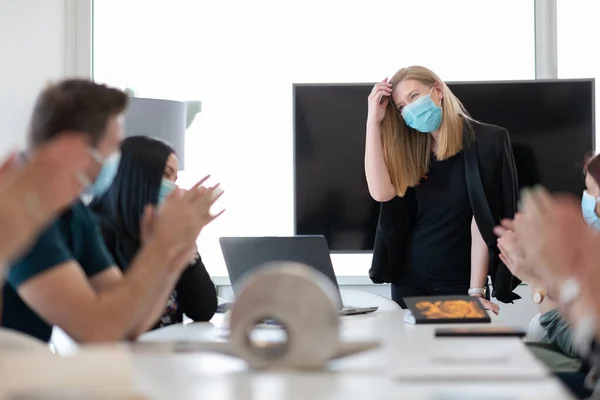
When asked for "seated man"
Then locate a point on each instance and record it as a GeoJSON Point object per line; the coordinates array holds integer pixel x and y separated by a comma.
{"type": "Point", "coordinates": [67, 278]}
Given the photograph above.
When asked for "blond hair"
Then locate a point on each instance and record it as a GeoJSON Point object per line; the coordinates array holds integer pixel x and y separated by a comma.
{"type": "Point", "coordinates": [406, 152]}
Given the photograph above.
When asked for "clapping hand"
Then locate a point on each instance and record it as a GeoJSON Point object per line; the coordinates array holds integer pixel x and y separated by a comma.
{"type": "Point", "coordinates": [553, 237]}
{"type": "Point", "coordinates": [512, 254]}
{"type": "Point", "coordinates": [62, 165]}
{"type": "Point", "coordinates": [32, 193]}
{"type": "Point", "coordinates": [179, 220]}
{"type": "Point", "coordinates": [550, 231]}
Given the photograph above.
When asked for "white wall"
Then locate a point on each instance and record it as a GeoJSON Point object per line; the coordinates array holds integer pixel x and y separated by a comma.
{"type": "Point", "coordinates": [37, 45]}
{"type": "Point", "coordinates": [40, 41]}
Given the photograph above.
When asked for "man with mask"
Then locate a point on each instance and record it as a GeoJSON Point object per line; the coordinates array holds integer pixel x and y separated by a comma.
{"type": "Point", "coordinates": [68, 278]}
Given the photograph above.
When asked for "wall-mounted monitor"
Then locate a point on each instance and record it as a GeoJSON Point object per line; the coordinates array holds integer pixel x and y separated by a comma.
{"type": "Point", "coordinates": [551, 126]}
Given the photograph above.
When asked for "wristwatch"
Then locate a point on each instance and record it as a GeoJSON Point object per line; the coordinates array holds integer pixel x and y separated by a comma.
{"type": "Point", "coordinates": [539, 296]}
{"type": "Point", "coordinates": [479, 290]}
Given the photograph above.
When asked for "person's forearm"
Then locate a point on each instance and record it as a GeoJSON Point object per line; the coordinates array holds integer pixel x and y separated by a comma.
{"type": "Point", "coordinates": [479, 258]}
{"type": "Point", "coordinates": [547, 303]}
{"type": "Point", "coordinates": [157, 307]}
{"type": "Point", "coordinates": [546, 306]}
{"type": "Point", "coordinates": [550, 299]}
{"type": "Point", "coordinates": [577, 311]}
{"type": "Point", "coordinates": [155, 296]}
{"type": "Point", "coordinates": [120, 309]}
{"type": "Point", "coordinates": [378, 178]}
{"type": "Point", "coordinates": [159, 300]}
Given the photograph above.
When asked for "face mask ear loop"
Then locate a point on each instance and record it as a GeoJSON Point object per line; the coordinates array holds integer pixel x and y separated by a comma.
{"type": "Point", "coordinates": [430, 93]}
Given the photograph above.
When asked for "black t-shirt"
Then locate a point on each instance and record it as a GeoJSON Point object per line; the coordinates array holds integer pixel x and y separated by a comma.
{"type": "Point", "coordinates": [440, 242]}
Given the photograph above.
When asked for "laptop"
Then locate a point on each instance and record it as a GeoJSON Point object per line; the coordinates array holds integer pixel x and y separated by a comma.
{"type": "Point", "coordinates": [244, 254]}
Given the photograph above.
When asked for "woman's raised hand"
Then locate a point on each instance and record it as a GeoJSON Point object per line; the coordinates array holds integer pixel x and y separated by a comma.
{"type": "Point", "coordinates": [180, 219]}
{"type": "Point", "coordinates": [378, 101]}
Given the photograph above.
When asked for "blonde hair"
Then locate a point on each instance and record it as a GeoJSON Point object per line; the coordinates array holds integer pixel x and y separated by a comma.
{"type": "Point", "coordinates": [406, 152]}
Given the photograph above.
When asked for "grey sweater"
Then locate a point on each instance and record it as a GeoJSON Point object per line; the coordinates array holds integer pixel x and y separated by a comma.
{"type": "Point", "coordinates": [559, 333]}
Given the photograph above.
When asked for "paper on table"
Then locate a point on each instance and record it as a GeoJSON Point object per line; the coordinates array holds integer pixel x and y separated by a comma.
{"type": "Point", "coordinates": [460, 367]}
{"type": "Point", "coordinates": [223, 330]}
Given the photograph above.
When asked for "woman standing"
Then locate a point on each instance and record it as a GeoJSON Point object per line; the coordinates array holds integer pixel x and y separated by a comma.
{"type": "Point", "coordinates": [146, 175]}
{"type": "Point", "coordinates": [444, 181]}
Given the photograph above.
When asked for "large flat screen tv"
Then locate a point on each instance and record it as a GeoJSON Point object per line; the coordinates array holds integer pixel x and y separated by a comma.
{"type": "Point", "coordinates": [551, 126]}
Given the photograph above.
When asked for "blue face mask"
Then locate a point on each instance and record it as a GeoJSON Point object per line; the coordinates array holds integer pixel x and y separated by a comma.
{"type": "Point", "coordinates": [105, 177]}
{"type": "Point", "coordinates": [166, 187]}
{"type": "Point", "coordinates": [588, 207]}
{"type": "Point", "coordinates": [422, 114]}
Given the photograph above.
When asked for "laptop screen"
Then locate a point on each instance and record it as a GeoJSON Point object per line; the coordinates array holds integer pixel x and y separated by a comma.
{"type": "Point", "coordinates": [244, 254]}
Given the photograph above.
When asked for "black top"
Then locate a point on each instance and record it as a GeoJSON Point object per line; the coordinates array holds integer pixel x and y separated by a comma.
{"type": "Point", "coordinates": [440, 242]}
{"type": "Point", "coordinates": [194, 295]}
{"type": "Point", "coordinates": [492, 187]}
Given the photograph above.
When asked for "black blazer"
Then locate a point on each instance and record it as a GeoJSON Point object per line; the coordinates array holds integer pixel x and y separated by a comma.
{"type": "Point", "coordinates": [493, 193]}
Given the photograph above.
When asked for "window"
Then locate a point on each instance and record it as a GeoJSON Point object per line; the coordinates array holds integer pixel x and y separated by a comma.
{"type": "Point", "coordinates": [576, 29]}
{"type": "Point", "coordinates": [240, 59]}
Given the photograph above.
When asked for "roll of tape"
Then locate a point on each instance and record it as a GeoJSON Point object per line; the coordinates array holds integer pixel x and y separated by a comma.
{"type": "Point", "coordinates": [303, 301]}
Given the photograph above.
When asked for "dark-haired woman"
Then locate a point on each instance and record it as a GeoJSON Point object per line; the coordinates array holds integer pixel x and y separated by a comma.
{"type": "Point", "coordinates": [146, 175]}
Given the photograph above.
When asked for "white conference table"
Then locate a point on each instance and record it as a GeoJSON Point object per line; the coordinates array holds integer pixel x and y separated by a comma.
{"type": "Point", "coordinates": [370, 375]}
